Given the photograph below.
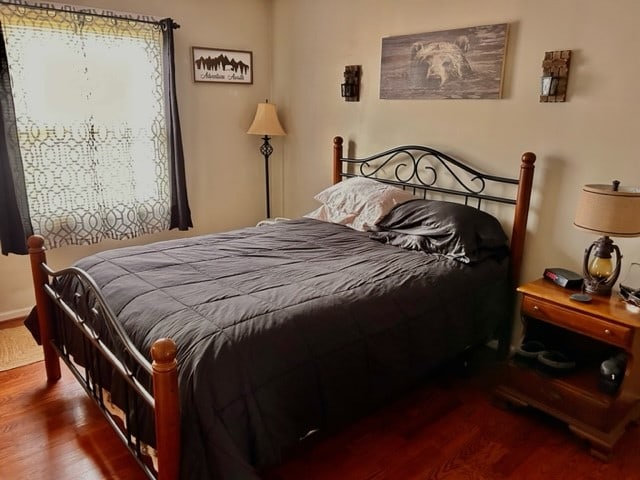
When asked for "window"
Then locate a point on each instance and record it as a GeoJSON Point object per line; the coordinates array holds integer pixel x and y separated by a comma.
{"type": "Point", "coordinates": [90, 103]}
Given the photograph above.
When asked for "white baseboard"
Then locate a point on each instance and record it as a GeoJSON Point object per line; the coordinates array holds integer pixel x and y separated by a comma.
{"type": "Point", "coordinates": [13, 314]}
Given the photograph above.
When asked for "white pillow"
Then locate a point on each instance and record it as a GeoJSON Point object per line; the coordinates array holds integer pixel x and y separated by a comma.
{"type": "Point", "coordinates": [325, 214]}
{"type": "Point", "coordinates": [358, 202]}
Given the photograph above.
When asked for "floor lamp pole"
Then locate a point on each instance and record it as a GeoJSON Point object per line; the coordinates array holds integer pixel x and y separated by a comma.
{"type": "Point", "coordinates": [266, 149]}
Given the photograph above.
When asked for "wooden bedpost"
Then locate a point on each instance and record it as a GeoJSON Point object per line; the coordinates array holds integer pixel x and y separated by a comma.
{"type": "Point", "coordinates": [337, 156]}
{"type": "Point", "coordinates": [518, 235]}
{"type": "Point", "coordinates": [521, 215]}
{"type": "Point", "coordinates": [167, 411]}
{"type": "Point", "coordinates": [44, 309]}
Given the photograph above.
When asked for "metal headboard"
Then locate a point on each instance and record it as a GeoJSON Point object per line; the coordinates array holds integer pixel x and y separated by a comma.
{"type": "Point", "coordinates": [423, 169]}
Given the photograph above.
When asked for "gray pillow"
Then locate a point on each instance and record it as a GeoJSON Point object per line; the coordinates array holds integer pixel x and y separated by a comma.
{"type": "Point", "coordinates": [458, 231]}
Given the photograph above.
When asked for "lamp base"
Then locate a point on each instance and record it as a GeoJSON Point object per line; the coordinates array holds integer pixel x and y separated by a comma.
{"type": "Point", "coordinates": [595, 286]}
{"type": "Point", "coordinates": [599, 281]}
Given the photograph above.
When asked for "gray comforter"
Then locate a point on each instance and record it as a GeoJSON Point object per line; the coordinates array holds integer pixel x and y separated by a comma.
{"type": "Point", "coordinates": [290, 328]}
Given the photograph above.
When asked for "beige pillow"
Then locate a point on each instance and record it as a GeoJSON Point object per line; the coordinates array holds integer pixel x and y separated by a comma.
{"type": "Point", "coordinates": [358, 202]}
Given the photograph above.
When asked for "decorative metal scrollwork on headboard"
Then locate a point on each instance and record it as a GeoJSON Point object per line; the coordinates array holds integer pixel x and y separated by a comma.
{"type": "Point", "coordinates": [424, 169]}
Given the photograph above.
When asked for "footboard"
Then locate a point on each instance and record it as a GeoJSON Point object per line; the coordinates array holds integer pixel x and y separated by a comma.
{"type": "Point", "coordinates": [138, 398]}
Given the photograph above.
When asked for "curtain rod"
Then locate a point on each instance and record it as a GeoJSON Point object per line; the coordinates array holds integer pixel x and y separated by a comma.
{"type": "Point", "coordinates": [83, 11]}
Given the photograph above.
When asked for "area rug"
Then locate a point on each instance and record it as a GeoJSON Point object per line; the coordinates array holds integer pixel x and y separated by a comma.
{"type": "Point", "coordinates": [18, 348]}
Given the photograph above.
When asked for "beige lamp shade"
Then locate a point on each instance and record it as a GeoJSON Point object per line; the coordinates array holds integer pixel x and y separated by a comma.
{"type": "Point", "coordinates": [266, 121]}
{"type": "Point", "coordinates": [605, 211]}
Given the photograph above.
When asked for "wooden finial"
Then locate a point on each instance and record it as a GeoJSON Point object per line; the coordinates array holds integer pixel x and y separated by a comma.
{"type": "Point", "coordinates": [528, 158]}
{"type": "Point", "coordinates": [163, 352]}
{"type": "Point", "coordinates": [35, 243]}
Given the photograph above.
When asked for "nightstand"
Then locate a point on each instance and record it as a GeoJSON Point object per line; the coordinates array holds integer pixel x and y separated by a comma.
{"type": "Point", "coordinates": [589, 333]}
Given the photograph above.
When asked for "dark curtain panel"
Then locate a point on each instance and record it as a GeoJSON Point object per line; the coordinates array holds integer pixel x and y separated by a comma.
{"type": "Point", "coordinates": [180, 212]}
{"type": "Point", "coordinates": [15, 224]}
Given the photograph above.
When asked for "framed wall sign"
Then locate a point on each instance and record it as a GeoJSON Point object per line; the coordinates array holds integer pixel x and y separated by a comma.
{"type": "Point", "coordinates": [216, 65]}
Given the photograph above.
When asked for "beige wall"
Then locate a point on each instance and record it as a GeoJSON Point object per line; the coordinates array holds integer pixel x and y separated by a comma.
{"type": "Point", "coordinates": [224, 168]}
{"type": "Point", "coordinates": [592, 138]}
{"type": "Point", "coordinates": [589, 139]}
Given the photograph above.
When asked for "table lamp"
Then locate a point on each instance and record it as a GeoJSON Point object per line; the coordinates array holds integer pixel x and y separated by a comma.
{"type": "Point", "coordinates": [610, 211]}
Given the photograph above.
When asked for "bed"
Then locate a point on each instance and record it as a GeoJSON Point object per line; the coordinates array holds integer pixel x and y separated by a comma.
{"type": "Point", "coordinates": [212, 356]}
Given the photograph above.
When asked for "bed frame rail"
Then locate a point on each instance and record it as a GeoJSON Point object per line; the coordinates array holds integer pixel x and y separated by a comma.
{"type": "Point", "coordinates": [115, 351]}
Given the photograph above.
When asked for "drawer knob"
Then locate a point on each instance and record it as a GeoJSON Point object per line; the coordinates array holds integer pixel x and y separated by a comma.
{"type": "Point", "coordinates": [607, 331]}
{"type": "Point", "coordinates": [536, 307]}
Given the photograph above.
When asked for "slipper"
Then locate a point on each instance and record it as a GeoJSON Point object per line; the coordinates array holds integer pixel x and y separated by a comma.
{"type": "Point", "coordinates": [555, 362]}
{"type": "Point", "coordinates": [528, 352]}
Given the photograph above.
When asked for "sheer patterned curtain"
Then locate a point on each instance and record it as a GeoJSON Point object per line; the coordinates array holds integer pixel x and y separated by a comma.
{"type": "Point", "coordinates": [94, 103]}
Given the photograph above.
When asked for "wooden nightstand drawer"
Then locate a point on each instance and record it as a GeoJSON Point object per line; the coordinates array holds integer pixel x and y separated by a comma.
{"type": "Point", "coordinates": [608, 332]}
{"type": "Point", "coordinates": [559, 396]}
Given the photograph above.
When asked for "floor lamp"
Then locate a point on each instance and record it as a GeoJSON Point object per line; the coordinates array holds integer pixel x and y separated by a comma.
{"type": "Point", "coordinates": [266, 123]}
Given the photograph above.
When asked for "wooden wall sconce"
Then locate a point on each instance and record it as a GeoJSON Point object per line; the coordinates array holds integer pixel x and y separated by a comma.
{"type": "Point", "coordinates": [555, 76]}
{"type": "Point", "coordinates": [350, 89]}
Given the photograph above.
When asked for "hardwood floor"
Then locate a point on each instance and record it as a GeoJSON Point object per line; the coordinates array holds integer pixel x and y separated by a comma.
{"type": "Point", "coordinates": [446, 430]}
{"type": "Point", "coordinates": [55, 431]}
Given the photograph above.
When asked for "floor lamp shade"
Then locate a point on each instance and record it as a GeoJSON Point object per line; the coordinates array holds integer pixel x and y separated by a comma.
{"type": "Point", "coordinates": [610, 211]}
{"type": "Point", "coordinates": [266, 123]}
